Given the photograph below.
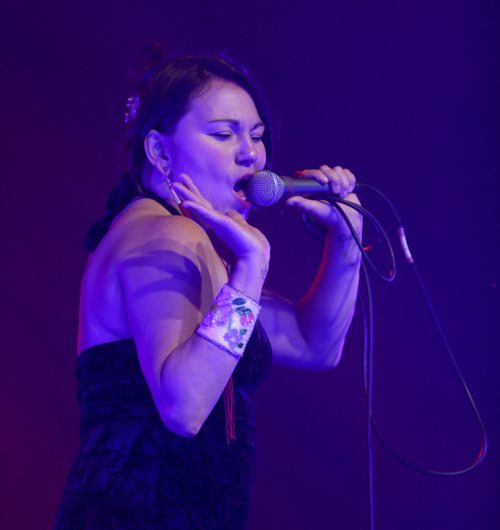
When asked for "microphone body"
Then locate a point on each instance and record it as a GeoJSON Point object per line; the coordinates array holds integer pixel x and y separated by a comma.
{"type": "Point", "coordinates": [266, 188]}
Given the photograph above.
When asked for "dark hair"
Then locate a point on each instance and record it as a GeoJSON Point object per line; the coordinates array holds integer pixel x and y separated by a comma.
{"type": "Point", "coordinates": [165, 93]}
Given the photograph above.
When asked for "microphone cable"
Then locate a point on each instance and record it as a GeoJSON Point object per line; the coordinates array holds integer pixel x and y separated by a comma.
{"type": "Point", "coordinates": [320, 233]}
{"type": "Point", "coordinates": [368, 332]}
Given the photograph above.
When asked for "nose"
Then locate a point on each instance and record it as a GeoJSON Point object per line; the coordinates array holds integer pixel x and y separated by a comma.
{"type": "Point", "coordinates": [247, 152]}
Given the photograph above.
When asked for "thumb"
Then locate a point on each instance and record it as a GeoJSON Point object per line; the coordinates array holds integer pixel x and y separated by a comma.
{"type": "Point", "coordinates": [319, 210]}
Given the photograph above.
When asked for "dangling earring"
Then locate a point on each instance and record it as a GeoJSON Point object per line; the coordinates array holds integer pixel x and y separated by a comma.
{"type": "Point", "coordinates": [165, 174]}
{"type": "Point", "coordinates": [165, 170]}
{"type": "Point", "coordinates": [165, 179]}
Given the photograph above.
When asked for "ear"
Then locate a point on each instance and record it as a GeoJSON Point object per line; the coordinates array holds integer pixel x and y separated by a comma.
{"type": "Point", "coordinates": [155, 149]}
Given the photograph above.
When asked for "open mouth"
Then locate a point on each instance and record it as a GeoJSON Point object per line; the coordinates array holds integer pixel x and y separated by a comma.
{"type": "Point", "coordinates": [241, 186]}
{"type": "Point", "coordinates": [240, 189]}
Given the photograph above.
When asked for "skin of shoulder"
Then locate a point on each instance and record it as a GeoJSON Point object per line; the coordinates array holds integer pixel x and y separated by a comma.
{"type": "Point", "coordinates": [169, 273]}
{"type": "Point", "coordinates": [144, 224]}
{"type": "Point", "coordinates": [151, 241]}
{"type": "Point", "coordinates": [145, 220]}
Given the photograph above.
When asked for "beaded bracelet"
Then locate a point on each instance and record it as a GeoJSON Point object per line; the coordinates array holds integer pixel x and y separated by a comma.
{"type": "Point", "coordinates": [230, 321]}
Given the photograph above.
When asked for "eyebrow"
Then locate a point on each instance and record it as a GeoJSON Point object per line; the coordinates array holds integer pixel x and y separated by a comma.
{"type": "Point", "coordinates": [236, 122]}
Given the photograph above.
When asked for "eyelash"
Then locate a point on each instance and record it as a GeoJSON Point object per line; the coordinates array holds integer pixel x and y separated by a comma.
{"type": "Point", "coordinates": [226, 136]}
{"type": "Point", "coordinates": [222, 136]}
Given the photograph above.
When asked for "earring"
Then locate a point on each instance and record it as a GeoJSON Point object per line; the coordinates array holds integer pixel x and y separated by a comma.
{"type": "Point", "coordinates": [165, 171]}
{"type": "Point", "coordinates": [165, 175]}
{"type": "Point", "coordinates": [165, 179]}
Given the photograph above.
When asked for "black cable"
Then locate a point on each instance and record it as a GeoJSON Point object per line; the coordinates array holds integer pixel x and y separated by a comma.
{"type": "Point", "coordinates": [368, 350]}
{"type": "Point", "coordinates": [367, 354]}
{"type": "Point", "coordinates": [321, 233]}
{"type": "Point", "coordinates": [368, 328]}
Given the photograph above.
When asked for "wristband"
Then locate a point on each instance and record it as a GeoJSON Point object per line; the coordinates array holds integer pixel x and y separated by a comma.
{"type": "Point", "coordinates": [230, 321]}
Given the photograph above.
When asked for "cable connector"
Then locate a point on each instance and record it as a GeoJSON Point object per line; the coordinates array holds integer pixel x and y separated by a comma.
{"type": "Point", "coordinates": [404, 245]}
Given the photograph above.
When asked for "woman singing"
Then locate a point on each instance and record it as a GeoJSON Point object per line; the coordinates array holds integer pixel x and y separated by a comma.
{"type": "Point", "coordinates": [175, 330]}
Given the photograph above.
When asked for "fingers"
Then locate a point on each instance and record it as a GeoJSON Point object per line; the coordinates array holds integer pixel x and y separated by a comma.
{"type": "Point", "coordinates": [187, 181]}
{"type": "Point", "coordinates": [201, 209]}
{"type": "Point", "coordinates": [319, 210]}
{"type": "Point", "coordinates": [188, 191]}
{"type": "Point", "coordinates": [316, 174]}
{"type": "Point", "coordinates": [352, 179]}
{"type": "Point", "coordinates": [235, 216]}
{"type": "Point", "coordinates": [341, 181]}
{"type": "Point", "coordinates": [210, 216]}
{"type": "Point", "coordinates": [205, 216]}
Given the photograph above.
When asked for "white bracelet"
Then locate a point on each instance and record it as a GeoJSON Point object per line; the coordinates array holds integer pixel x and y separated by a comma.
{"type": "Point", "coordinates": [230, 321]}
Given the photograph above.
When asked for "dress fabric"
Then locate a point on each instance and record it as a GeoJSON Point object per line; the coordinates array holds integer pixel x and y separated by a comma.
{"type": "Point", "coordinates": [132, 472]}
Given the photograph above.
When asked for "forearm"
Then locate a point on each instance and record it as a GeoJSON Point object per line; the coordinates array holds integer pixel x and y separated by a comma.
{"type": "Point", "coordinates": [193, 377]}
{"type": "Point", "coordinates": [326, 311]}
{"type": "Point", "coordinates": [194, 374]}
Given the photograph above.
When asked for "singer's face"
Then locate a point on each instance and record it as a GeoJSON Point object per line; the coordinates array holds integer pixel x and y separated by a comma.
{"type": "Point", "coordinates": [217, 143]}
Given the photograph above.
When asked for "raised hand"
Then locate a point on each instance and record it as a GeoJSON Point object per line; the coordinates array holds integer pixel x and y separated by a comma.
{"type": "Point", "coordinates": [245, 241]}
{"type": "Point", "coordinates": [342, 182]}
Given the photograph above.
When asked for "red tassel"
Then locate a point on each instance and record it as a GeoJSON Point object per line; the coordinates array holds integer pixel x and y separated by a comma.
{"type": "Point", "coordinates": [229, 411]}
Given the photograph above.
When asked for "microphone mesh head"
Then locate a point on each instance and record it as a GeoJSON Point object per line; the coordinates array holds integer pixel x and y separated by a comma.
{"type": "Point", "coordinates": [265, 188]}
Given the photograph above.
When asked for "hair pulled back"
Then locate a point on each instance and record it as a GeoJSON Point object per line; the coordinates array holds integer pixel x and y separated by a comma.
{"type": "Point", "coordinates": [165, 92]}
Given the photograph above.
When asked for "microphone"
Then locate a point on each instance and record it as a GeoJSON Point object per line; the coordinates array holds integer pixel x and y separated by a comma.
{"type": "Point", "coordinates": [265, 188]}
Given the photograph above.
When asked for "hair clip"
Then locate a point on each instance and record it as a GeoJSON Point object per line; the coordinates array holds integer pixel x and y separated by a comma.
{"type": "Point", "coordinates": [132, 108]}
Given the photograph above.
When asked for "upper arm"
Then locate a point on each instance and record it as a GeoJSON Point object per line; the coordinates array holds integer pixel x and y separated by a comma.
{"type": "Point", "coordinates": [169, 276]}
{"type": "Point", "coordinates": [282, 324]}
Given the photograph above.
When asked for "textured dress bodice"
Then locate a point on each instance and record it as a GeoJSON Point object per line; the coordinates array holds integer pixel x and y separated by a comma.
{"type": "Point", "coordinates": [132, 472]}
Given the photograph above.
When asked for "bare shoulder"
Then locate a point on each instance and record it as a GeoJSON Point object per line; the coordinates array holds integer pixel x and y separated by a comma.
{"type": "Point", "coordinates": [149, 260]}
{"type": "Point", "coordinates": [168, 272]}
{"type": "Point", "coordinates": [152, 246]}
{"type": "Point", "coordinates": [159, 256]}
{"type": "Point", "coordinates": [146, 225]}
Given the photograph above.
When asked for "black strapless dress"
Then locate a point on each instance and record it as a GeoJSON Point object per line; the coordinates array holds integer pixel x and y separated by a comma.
{"type": "Point", "coordinates": [131, 472]}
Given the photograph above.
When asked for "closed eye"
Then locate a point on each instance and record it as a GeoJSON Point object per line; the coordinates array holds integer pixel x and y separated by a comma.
{"type": "Point", "coordinates": [222, 135]}
{"type": "Point", "coordinates": [225, 135]}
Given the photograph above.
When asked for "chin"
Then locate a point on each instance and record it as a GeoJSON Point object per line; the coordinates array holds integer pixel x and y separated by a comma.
{"type": "Point", "coordinates": [238, 206]}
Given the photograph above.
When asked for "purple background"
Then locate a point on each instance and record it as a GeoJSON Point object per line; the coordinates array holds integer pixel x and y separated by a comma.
{"type": "Point", "coordinates": [405, 95]}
